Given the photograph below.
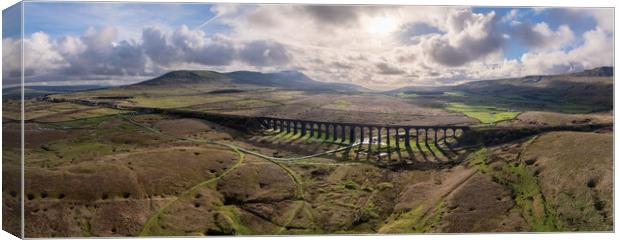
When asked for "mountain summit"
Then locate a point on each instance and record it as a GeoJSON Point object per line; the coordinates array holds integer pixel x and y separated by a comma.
{"type": "Point", "coordinates": [186, 77]}
{"type": "Point", "coordinates": [284, 79]}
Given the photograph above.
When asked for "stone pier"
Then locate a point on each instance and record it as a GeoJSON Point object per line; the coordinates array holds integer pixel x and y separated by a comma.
{"type": "Point", "coordinates": [358, 133]}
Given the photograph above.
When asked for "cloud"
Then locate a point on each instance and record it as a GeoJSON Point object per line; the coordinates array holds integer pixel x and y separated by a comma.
{"type": "Point", "coordinates": [334, 15]}
{"type": "Point", "coordinates": [40, 56]}
{"type": "Point", "coordinates": [410, 33]}
{"type": "Point", "coordinates": [102, 54]}
{"type": "Point", "coordinates": [341, 65]}
{"type": "Point", "coordinates": [157, 48]}
{"type": "Point", "coordinates": [594, 52]}
{"type": "Point", "coordinates": [186, 46]}
{"type": "Point", "coordinates": [604, 18]}
{"type": "Point", "coordinates": [99, 40]}
{"type": "Point", "coordinates": [69, 45]}
{"type": "Point", "coordinates": [11, 61]}
{"type": "Point", "coordinates": [540, 37]}
{"type": "Point", "coordinates": [470, 36]}
{"type": "Point", "coordinates": [98, 54]}
{"type": "Point", "coordinates": [219, 10]}
{"type": "Point", "coordinates": [511, 16]}
{"type": "Point", "coordinates": [196, 47]}
{"type": "Point", "coordinates": [387, 69]}
{"type": "Point", "coordinates": [264, 53]}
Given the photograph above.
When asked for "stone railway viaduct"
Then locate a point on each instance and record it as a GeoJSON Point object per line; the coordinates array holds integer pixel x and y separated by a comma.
{"type": "Point", "coordinates": [452, 136]}
{"type": "Point", "coordinates": [364, 133]}
{"type": "Point", "coordinates": [352, 132]}
{"type": "Point", "coordinates": [371, 134]}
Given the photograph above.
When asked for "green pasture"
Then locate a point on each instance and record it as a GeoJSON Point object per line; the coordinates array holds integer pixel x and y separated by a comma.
{"type": "Point", "coordinates": [485, 114]}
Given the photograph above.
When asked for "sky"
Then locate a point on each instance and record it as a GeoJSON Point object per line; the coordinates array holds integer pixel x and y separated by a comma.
{"type": "Point", "coordinates": [379, 47]}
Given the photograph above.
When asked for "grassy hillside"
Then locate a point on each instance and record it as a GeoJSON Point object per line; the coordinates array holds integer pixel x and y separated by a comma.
{"type": "Point", "coordinates": [186, 77]}
{"type": "Point", "coordinates": [284, 79]}
{"type": "Point", "coordinates": [582, 92]}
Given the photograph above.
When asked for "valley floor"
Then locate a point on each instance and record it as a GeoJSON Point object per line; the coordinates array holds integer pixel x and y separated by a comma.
{"type": "Point", "coordinates": [94, 171]}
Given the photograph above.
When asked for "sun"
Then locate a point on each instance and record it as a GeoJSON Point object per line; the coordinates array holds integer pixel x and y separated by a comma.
{"type": "Point", "coordinates": [381, 25]}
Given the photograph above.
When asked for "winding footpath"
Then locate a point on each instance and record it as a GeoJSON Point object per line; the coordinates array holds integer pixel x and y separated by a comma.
{"type": "Point", "coordinates": [153, 221]}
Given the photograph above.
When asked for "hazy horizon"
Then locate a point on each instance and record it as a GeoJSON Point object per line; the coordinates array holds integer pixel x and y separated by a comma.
{"type": "Point", "coordinates": [105, 84]}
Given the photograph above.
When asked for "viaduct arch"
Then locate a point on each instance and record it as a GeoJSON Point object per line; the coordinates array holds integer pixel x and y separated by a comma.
{"type": "Point", "coordinates": [365, 133]}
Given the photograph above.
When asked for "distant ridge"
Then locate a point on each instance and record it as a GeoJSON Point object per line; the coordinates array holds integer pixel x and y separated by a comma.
{"type": "Point", "coordinates": [596, 72]}
{"type": "Point", "coordinates": [285, 79]}
{"type": "Point", "coordinates": [604, 71]}
{"type": "Point", "coordinates": [592, 87]}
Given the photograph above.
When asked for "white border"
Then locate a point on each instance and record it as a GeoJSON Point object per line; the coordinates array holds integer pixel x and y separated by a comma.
{"type": "Point", "coordinates": [528, 3]}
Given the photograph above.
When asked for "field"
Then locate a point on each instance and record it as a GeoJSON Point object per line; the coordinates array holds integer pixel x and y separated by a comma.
{"type": "Point", "coordinates": [96, 166]}
{"type": "Point", "coordinates": [317, 106]}
{"type": "Point", "coordinates": [484, 114]}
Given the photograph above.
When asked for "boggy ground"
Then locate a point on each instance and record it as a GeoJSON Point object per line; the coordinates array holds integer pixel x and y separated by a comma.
{"type": "Point", "coordinates": [129, 175]}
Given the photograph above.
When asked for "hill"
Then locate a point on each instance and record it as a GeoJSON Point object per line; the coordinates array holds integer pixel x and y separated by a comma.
{"type": "Point", "coordinates": [586, 91]}
{"type": "Point", "coordinates": [285, 79]}
{"type": "Point", "coordinates": [596, 72]}
{"type": "Point", "coordinates": [592, 87]}
{"type": "Point", "coordinates": [289, 80]}
{"type": "Point", "coordinates": [186, 77]}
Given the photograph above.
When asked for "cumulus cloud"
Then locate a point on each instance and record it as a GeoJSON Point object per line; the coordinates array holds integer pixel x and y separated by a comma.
{"type": "Point", "coordinates": [603, 17]}
{"type": "Point", "coordinates": [186, 46]}
{"type": "Point", "coordinates": [470, 36]}
{"type": "Point", "coordinates": [11, 61]}
{"type": "Point", "coordinates": [157, 48]}
{"type": "Point", "coordinates": [387, 69]}
{"type": "Point", "coordinates": [511, 16]}
{"type": "Point", "coordinates": [594, 52]}
{"type": "Point", "coordinates": [540, 37]}
{"type": "Point", "coordinates": [335, 15]}
{"type": "Point", "coordinates": [40, 56]}
{"type": "Point", "coordinates": [412, 33]}
{"type": "Point", "coordinates": [216, 52]}
{"type": "Point", "coordinates": [264, 53]}
{"type": "Point", "coordinates": [69, 45]}
{"type": "Point", "coordinates": [332, 14]}
{"type": "Point", "coordinates": [98, 54]}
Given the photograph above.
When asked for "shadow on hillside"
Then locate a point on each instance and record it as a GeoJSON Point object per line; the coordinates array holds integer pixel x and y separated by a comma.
{"type": "Point", "coordinates": [389, 153]}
